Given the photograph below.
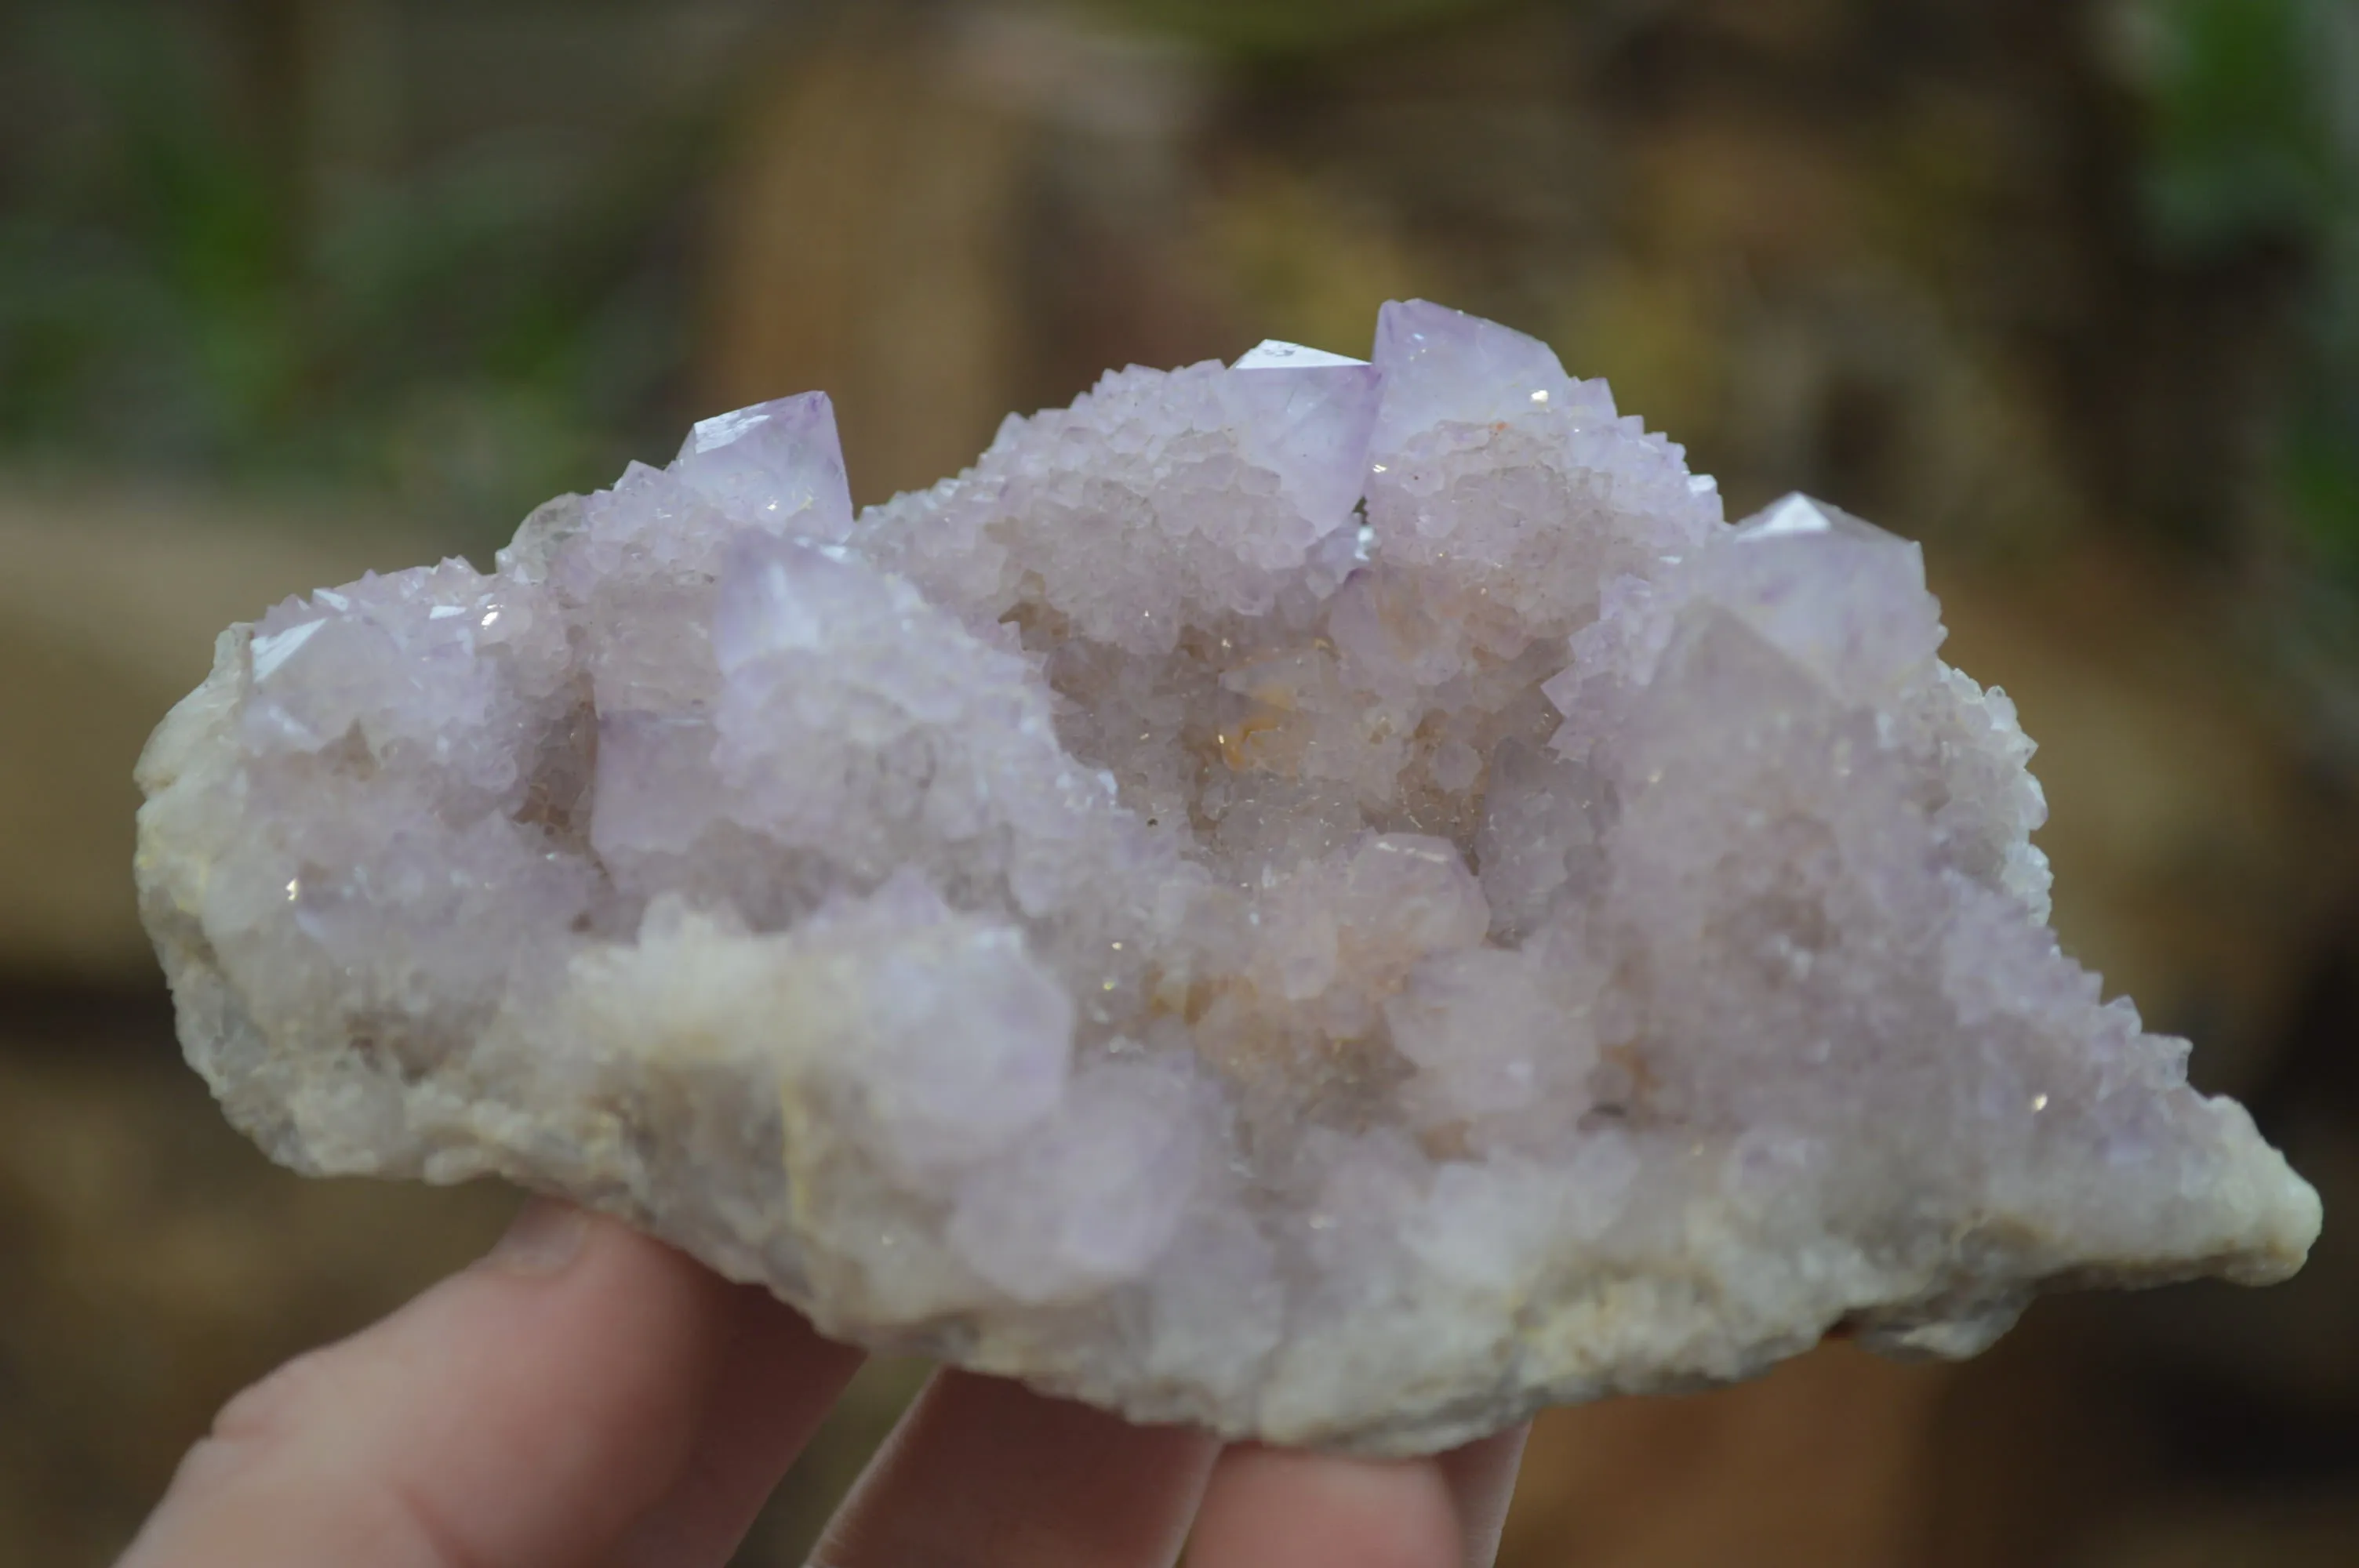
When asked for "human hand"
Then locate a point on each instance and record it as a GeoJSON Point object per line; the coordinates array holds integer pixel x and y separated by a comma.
{"type": "Point", "coordinates": [586, 1395]}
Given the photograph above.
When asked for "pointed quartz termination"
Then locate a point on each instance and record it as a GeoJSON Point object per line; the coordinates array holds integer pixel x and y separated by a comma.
{"type": "Point", "coordinates": [1336, 902]}
{"type": "Point", "coordinates": [1840, 596]}
{"type": "Point", "coordinates": [774, 466]}
{"type": "Point", "coordinates": [1463, 369]}
{"type": "Point", "coordinates": [1271, 353]}
{"type": "Point", "coordinates": [1310, 409]}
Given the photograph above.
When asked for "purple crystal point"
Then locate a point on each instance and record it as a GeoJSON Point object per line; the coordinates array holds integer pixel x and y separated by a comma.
{"type": "Point", "coordinates": [1312, 415]}
{"type": "Point", "coordinates": [1443, 364]}
{"type": "Point", "coordinates": [1840, 596]}
{"type": "Point", "coordinates": [777, 466]}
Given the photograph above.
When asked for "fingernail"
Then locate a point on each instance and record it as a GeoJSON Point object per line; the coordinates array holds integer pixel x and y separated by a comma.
{"type": "Point", "coordinates": [545, 1236]}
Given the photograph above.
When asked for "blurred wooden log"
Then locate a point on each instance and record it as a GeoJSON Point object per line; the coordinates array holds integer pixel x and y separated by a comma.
{"type": "Point", "coordinates": [940, 218]}
{"type": "Point", "coordinates": [864, 251]}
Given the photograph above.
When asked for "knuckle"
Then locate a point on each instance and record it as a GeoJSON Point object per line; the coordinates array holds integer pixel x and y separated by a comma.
{"type": "Point", "coordinates": [260, 1422]}
{"type": "Point", "coordinates": [273, 1408]}
{"type": "Point", "coordinates": [267, 1442]}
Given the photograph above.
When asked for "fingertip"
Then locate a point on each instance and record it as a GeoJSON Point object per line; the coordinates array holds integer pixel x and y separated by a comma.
{"type": "Point", "coordinates": [1275, 1507]}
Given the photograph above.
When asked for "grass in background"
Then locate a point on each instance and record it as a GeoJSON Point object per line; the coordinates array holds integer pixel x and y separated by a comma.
{"type": "Point", "coordinates": [204, 276]}
{"type": "Point", "coordinates": [2253, 141]}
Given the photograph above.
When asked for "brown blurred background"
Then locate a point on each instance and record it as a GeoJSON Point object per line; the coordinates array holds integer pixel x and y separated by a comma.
{"type": "Point", "coordinates": [2067, 289]}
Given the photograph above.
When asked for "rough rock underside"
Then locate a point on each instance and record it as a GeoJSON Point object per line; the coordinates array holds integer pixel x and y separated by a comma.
{"type": "Point", "coordinates": [1337, 901]}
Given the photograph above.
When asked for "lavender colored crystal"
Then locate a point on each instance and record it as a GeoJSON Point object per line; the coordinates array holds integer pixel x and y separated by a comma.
{"type": "Point", "coordinates": [774, 466]}
{"type": "Point", "coordinates": [1335, 901]}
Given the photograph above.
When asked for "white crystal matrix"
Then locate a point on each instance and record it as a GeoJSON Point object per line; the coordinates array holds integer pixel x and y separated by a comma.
{"type": "Point", "coordinates": [1339, 901]}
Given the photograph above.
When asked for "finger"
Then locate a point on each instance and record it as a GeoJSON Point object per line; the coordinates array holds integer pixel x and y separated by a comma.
{"type": "Point", "coordinates": [1275, 1507]}
{"type": "Point", "coordinates": [525, 1411]}
{"type": "Point", "coordinates": [778, 1382]}
{"type": "Point", "coordinates": [1280, 1508]}
{"type": "Point", "coordinates": [988, 1475]}
{"type": "Point", "coordinates": [1482, 1481]}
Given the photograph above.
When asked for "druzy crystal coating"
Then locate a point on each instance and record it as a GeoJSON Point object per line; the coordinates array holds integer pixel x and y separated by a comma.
{"type": "Point", "coordinates": [1335, 901]}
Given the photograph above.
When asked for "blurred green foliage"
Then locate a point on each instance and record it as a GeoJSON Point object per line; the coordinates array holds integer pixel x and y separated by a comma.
{"type": "Point", "coordinates": [187, 286]}
{"type": "Point", "coordinates": [1260, 28]}
{"type": "Point", "coordinates": [2253, 142]}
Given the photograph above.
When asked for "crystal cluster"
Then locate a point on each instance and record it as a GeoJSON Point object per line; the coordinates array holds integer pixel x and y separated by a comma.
{"type": "Point", "coordinates": [1338, 902]}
